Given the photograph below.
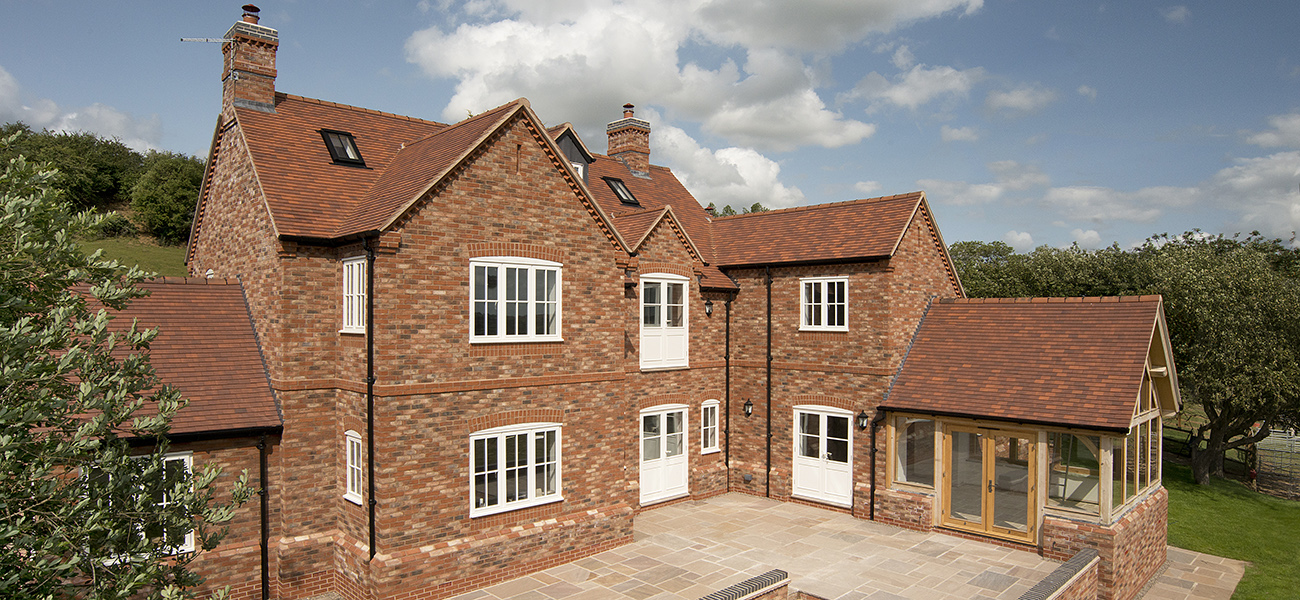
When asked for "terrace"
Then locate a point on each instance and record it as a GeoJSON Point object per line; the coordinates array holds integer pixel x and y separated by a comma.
{"type": "Point", "coordinates": [691, 549]}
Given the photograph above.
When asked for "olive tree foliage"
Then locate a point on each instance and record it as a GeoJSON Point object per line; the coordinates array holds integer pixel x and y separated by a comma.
{"type": "Point", "coordinates": [80, 510]}
{"type": "Point", "coordinates": [1232, 305]}
{"type": "Point", "coordinates": [165, 195]}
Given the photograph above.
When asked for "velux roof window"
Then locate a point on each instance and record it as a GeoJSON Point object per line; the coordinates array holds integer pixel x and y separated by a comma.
{"type": "Point", "coordinates": [620, 190]}
{"type": "Point", "coordinates": [342, 147]}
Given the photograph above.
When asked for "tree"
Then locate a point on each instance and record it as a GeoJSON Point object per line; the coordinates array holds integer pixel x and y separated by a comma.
{"type": "Point", "coordinates": [1234, 320]}
{"type": "Point", "coordinates": [727, 211]}
{"type": "Point", "coordinates": [93, 172]}
{"type": "Point", "coordinates": [165, 195]}
{"type": "Point", "coordinates": [1231, 306]}
{"type": "Point", "coordinates": [79, 511]}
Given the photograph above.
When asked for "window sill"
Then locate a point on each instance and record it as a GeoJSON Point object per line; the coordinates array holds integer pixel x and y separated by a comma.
{"type": "Point", "coordinates": [710, 451]}
{"type": "Point", "coordinates": [824, 329]}
{"type": "Point", "coordinates": [353, 498]}
{"type": "Point", "coordinates": [645, 369]}
{"type": "Point", "coordinates": [515, 340]}
{"type": "Point", "coordinates": [352, 331]}
{"type": "Point", "coordinates": [475, 513]}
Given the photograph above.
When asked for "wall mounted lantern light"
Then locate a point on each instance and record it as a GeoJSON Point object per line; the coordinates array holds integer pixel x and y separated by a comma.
{"type": "Point", "coordinates": [749, 408]}
{"type": "Point", "coordinates": [863, 420]}
{"type": "Point", "coordinates": [708, 308]}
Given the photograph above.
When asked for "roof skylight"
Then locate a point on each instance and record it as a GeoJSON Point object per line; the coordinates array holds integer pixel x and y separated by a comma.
{"type": "Point", "coordinates": [342, 147]}
{"type": "Point", "coordinates": [620, 189]}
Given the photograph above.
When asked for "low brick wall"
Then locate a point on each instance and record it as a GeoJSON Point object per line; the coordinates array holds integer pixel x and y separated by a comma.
{"type": "Point", "coordinates": [772, 585]}
{"type": "Point", "coordinates": [1131, 551]}
{"type": "Point", "coordinates": [1076, 579]}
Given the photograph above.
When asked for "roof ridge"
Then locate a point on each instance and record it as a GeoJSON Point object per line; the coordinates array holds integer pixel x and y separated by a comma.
{"type": "Point", "coordinates": [174, 280]}
{"type": "Point", "coordinates": [823, 205]}
{"type": "Point", "coordinates": [1055, 299]}
{"type": "Point", "coordinates": [357, 108]}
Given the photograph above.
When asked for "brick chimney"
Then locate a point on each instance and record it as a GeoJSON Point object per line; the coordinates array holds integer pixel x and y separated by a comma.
{"type": "Point", "coordinates": [248, 69]}
{"type": "Point", "coordinates": [629, 141]}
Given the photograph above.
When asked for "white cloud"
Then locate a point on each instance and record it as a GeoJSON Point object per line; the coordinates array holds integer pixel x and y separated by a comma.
{"type": "Point", "coordinates": [917, 86]}
{"type": "Point", "coordinates": [1089, 239]}
{"type": "Point", "coordinates": [1010, 176]}
{"type": "Point", "coordinates": [1088, 92]}
{"type": "Point", "coordinates": [903, 58]}
{"type": "Point", "coordinates": [1285, 132]}
{"type": "Point", "coordinates": [867, 187]}
{"type": "Point", "coordinates": [959, 134]}
{"type": "Point", "coordinates": [735, 176]}
{"type": "Point", "coordinates": [1100, 204]}
{"type": "Point", "coordinates": [105, 121]}
{"type": "Point", "coordinates": [1026, 98]}
{"type": "Point", "coordinates": [1020, 240]}
{"type": "Point", "coordinates": [579, 61]}
{"type": "Point", "coordinates": [1265, 190]}
{"type": "Point", "coordinates": [1175, 14]}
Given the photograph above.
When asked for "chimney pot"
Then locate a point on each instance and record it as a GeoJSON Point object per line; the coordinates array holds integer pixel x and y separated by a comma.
{"type": "Point", "coordinates": [250, 13]}
{"type": "Point", "coordinates": [627, 110]}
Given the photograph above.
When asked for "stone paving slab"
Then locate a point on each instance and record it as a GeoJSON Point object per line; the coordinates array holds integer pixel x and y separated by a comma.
{"type": "Point", "coordinates": [688, 550]}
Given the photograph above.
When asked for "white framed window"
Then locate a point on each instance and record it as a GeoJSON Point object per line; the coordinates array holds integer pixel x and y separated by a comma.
{"type": "Point", "coordinates": [514, 300]}
{"type": "Point", "coordinates": [825, 304]}
{"type": "Point", "coordinates": [177, 468]}
{"type": "Point", "coordinates": [665, 321]}
{"type": "Point", "coordinates": [352, 449]}
{"type": "Point", "coordinates": [354, 295]}
{"type": "Point", "coordinates": [514, 467]}
{"type": "Point", "coordinates": [709, 427]}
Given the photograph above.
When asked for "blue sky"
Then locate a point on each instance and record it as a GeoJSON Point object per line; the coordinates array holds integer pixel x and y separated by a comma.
{"type": "Point", "coordinates": [1031, 122]}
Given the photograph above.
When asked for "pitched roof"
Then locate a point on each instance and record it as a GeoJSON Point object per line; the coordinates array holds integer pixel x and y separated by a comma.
{"type": "Point", "coordinates": [1066, 361]}
{"type": "Point", "coordinates": [307, 194]}
{"type": "Point", "coordinates": [659, 190]}
{"type": "Point", "coordinates": [418, 166]}
{"type": "Point", "coordinates": [854, 230]}
{"type": "Point", "coordinates": [206, 348]}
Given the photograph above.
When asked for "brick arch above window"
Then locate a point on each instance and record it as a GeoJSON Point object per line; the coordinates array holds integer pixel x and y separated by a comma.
{"type": "Point", "coordinates": [648, 267]}
{"type": "Point", "coordinates": [516, 417]}
{"type": "Point", "coordinates": [831, 401]}
{"type": "Point", "coordinates": [645, 403]}
{"type": "Point", "coordinates": [482, 249]}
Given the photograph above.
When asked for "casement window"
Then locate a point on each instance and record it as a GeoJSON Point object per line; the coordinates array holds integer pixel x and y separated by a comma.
{"type": "Point", "coordinates": [709, 427]}
{"type": "Point", "coordinates": [515, 300]}
{"type": "Point", "coordinates": [825, 304]}
{"type": "Point", "coordinates": [177, 468]}
{"type": "Point", "coordinates": [514, 467]}
{"type": "Point", "coordinates": [665, 330]}
{"type": "Point", "coordinates": [354, 295]}
{"type": "Point", "coordinates": [352, 449]}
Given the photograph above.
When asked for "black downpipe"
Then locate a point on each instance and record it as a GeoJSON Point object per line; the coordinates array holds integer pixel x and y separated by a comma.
{"type": "Point", "coordinates": [875, 424]}
{"type": "Point", "coordinates": [266, 528]}
{"type": "Point", "coordinates": [370, 386]}
{"type": "Point", "coordinates": [768, 476]}
{"type": "Point", "coordinates": [726, 357]}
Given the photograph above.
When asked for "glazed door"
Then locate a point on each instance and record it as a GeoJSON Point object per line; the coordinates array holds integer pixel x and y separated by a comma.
{"type": "Point", "coordinates": [988, 482]}
{"type": "Point", "coordinates": [664, 472]}
{"type": "Point", "coordinates": [823, 468]}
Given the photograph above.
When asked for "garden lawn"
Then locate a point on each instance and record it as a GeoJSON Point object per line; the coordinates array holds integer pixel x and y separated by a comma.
{"type": "Point", "coordinates": [1226, 518]}
{"type": "Point", "coordinates": [163, 260]}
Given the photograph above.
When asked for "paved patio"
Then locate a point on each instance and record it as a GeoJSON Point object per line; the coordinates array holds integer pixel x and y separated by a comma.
{"type": "Point", "coordinates": [688, 550]}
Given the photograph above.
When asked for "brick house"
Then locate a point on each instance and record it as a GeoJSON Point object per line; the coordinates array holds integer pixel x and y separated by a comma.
{"type": "Point", "coordinates": [492, 348]}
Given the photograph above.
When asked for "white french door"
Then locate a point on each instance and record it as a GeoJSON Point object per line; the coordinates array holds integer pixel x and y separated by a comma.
{"type": "Point", "coordinates": [664, 469]}
{"type": "Point", "coordinates": [823, 455]}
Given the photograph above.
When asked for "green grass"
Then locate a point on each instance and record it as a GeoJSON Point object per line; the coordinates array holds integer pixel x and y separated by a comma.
{"type": "Point", "coordinates": [164, 260]}
{"type": "Point", "coordinates": [1226, 518]}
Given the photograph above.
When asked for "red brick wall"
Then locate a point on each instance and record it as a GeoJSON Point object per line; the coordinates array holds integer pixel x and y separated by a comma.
{"type": "Point", "coordinates": [1132, 550]}
{"type": "Point", "coordinates": [1084, 587]}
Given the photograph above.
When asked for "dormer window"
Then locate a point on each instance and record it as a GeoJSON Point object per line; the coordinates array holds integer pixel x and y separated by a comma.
{"type": "Point", "coordinates": [342, 147]}
{"type": "Point", "coordinates": [620, 189]}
